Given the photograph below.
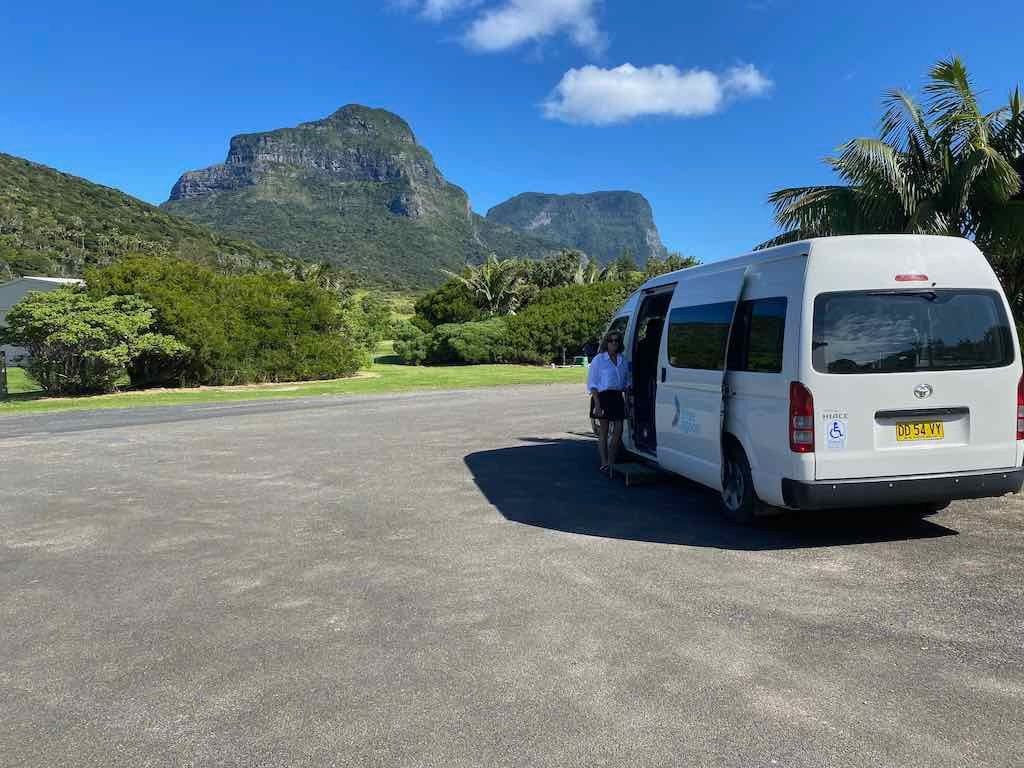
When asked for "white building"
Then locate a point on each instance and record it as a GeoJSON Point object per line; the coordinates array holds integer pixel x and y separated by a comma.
{"type": "Point", "coordinates": [14, 291]}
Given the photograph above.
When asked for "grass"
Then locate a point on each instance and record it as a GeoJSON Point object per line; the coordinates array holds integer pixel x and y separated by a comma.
{"type": "Point", "coordinates": [19, 382]}
{"type": "Point", "coordinates": [384, 376]}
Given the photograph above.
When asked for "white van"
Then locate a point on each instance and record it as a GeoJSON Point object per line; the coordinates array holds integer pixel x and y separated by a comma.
{"type": "Point", "coordinates": [836, 372]}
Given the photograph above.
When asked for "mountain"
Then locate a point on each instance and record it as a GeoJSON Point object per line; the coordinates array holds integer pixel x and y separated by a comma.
{"type": "Point", "coordinates": [601, 224]}
{"type": "Point", "coordinates": [354, 189]}
{"type": "Point", "coordinates": [55, 224]}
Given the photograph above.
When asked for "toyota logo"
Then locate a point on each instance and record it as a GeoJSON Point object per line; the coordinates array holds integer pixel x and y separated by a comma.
{"type": "Point", "coordinates": [923, 391]}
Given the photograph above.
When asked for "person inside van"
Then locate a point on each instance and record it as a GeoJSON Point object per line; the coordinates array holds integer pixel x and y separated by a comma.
{"type": "Point", "coordinates": [607, 380]}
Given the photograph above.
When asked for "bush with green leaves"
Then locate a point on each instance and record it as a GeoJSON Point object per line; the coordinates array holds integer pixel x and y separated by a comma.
{"type": "Point", "coordinates": [81, 345]}
{"type": "Point", "coordinates": [367, 321]}
{"type": "Point", "coordinates": [411, 343]}
{"type": "Point", "coordinates": [563, 320]}
{"type": "Point", "coordinates": [477, 343]}
{"type": "Point", "coordinates": [453, 302]}
{"type": "Point", "coordinates": [239, 329]}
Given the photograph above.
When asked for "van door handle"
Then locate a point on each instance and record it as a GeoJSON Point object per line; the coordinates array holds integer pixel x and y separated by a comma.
{"type": "Point", "coordinates": [664, 373]}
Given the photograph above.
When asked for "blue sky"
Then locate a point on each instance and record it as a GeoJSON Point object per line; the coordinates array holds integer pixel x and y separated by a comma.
{"type": "Point", "coordinates": [723, 103]}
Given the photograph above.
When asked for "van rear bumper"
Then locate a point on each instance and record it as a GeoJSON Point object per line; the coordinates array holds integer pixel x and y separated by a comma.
{"type": "Point", "coordinates": [866, 493]}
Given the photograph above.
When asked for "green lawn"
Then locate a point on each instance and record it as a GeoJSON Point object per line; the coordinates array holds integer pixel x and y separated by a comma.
{"type": "Point", "coordinates": [19, 382]}
{"type": "Point", "coordinates": [384, 376]}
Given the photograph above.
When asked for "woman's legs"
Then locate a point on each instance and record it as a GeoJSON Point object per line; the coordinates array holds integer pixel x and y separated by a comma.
{"type": "Point", "coordinates": [613, 449]}
{"type": "Point", "coordinates": [602, 441]}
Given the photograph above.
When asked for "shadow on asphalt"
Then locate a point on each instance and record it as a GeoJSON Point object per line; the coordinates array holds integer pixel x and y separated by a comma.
{"type": "Point", "coordinates": [556, 485]}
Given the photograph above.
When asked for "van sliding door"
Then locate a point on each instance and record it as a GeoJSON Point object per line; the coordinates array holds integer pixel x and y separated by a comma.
{"type": "Point", "coordinates": [693, 362]}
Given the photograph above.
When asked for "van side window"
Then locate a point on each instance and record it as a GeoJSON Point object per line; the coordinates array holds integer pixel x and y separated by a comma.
{"type": "Point", "coordinates": [619, 325]}
{"type": "Point", "coordinates": [697, 336]}
{"type": "Point", "coordinates": [758, 336]}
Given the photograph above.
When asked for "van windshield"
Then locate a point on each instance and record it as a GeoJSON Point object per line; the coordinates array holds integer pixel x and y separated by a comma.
{"type": "Point", "coordinates": [901, 331]}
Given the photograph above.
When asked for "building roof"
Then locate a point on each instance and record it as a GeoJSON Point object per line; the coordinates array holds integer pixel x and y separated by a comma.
{"type": "Point", "coordinates": [61, 280]}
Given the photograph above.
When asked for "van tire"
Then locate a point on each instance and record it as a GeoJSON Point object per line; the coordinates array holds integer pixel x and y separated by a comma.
{"type": "Point", "coordinates": [739, 499]}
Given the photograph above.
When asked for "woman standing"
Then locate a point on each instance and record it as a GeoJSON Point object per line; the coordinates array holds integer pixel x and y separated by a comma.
{"type": "Point", "coordinates": [607, 380]}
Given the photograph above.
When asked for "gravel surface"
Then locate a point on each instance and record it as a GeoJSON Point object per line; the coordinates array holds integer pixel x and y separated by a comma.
{"type": "Point", "coordinates": [445, 579]}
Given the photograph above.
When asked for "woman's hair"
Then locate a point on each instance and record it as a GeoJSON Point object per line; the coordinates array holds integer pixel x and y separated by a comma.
{"type": "Point", "coordinates": [609, 337]}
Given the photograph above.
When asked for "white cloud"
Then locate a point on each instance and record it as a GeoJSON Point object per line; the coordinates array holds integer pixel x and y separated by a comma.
{"type": "Point", "coordinates": [746, 81]}
{"type": "Point", "coordinates": [605, 96]}
{"type": "Point", "coordinates": [520, 21]}
{"type": "Point", "coordinates": [439, 9]}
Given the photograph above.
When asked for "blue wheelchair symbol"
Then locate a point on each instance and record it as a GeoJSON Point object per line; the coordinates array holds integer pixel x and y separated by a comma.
{"type": "Point", "coordinates": [836, 433]}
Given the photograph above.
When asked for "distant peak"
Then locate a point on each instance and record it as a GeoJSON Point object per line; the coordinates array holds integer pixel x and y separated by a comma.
{"type": "Point", "coordinates": [358, 118]}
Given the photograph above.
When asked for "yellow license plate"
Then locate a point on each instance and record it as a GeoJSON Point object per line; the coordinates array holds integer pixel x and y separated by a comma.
{"type": "Point", "coordinates": [908, 432]}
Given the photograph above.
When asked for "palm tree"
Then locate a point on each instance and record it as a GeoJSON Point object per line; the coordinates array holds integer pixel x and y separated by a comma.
{"type": "Point", "coordinates": [590, 271]}
{"type": "Point", "coordinates": [942, 167]}
{"type": "Point", "coordinates": [497, 285]}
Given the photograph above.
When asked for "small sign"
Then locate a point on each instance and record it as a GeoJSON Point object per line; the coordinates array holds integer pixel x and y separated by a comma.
{"type": "Point", "coordinates": [835, 433]}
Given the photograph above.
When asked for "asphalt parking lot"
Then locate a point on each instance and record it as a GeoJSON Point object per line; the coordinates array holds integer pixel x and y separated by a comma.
{"type": "Point", "coordinates": [445, 580]}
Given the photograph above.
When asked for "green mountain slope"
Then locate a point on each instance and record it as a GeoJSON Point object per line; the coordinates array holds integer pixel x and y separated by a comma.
{"type": "Point", "coordinates": [354, 189]}
{"type": "Point", "coordinates": [55, 224]}
{"type": "Point", "coordinates": [601, 224]}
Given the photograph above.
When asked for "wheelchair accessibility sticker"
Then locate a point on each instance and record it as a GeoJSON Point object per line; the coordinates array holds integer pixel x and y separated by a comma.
{"type": "Point", "coordinates": [835, 433]}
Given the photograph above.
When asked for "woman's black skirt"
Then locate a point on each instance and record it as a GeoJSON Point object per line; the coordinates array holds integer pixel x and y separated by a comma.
{"type": "Point", "coordinates": [612, 403]}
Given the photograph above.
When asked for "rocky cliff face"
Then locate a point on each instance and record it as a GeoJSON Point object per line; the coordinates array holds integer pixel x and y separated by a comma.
{"type": "Point", "coordinates": [602, 224]}
{"type": "Point", "coordinates": [355, 144]}
{"type": "Point", "coordinates": [355, 189]}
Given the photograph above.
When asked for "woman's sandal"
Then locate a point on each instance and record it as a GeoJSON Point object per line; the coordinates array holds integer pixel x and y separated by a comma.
{"type": "Point", "coordinates": [604, 468]}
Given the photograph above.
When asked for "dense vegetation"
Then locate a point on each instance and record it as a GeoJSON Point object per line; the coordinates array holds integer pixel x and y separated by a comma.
{"type": "Point", "coordinates": [240, 329]}
{"type": "Point", "coordinates": [55, 224]}
{"type": "Point", "coordinates": [81, 345]}
{"type": "Point", "coordinates": [354, 190]}
{"type": "Point", "coordinates": [603, 225]}
{"type": "Point", "coordinates": [522, 311]}
{"type": "Point", "coordinates": [941, 167]}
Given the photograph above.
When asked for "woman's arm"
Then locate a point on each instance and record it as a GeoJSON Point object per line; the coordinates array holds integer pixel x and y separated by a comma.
{"type": "Point", "coordinates": [592, 386]}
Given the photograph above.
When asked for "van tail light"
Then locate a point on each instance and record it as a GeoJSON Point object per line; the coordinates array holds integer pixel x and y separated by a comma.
{"type": "Point", "coordinates": [801, 419]}
{"type": "Point", "coordinates": [1020, 409]}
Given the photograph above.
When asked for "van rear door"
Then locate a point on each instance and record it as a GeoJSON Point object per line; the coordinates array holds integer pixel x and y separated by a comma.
{"type": "Point", "coordinates": [912, 382]}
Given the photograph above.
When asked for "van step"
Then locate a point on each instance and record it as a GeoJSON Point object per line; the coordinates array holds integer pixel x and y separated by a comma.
{"type": "Point", "coordinates": [634, 474]}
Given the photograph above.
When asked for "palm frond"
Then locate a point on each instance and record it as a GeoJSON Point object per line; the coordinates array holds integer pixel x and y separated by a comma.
{"type": "Point", "coordinates": [904, 117]}
{"type": "Point", "coordinates": [784, 239]}
{"type": "Point", "coordinates": [821, 211]}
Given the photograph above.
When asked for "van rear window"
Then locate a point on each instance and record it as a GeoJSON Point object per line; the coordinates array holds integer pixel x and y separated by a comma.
{"type": "Point", "coordinates": [901, 331]}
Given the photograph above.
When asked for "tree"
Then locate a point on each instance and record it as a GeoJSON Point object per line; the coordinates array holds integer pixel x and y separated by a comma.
{"type": "Point", "coordinates": [626, 262]}
{"type": "Point", "coordinates": [410, 344]}
{"type": "Point", "coordinates": [940, 167]}
{"type": "Point", "coordinates": [564, 319]}
{"type": "Point", "coordinates": [239, 329]}
{"type": "Point", "coordinates": [453, 302]}
{"type": "Point", "coordinates": [671, 263]}
{"type": "Point", "coordinates": [497, 285]}
{"type": "Point", "coordinates": [557, 270]}
{"type": "Point", "coordinates": [367, 320]}
{"type": "Point", "coordinates": [79, 345]}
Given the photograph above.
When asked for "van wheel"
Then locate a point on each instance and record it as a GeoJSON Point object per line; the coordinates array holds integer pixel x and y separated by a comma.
{"type": "Point", "coordinates": [739, 500]}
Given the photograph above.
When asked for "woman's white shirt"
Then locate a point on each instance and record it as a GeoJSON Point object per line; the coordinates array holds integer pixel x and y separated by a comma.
{"type": "Point", "coordinates": [605, 375]}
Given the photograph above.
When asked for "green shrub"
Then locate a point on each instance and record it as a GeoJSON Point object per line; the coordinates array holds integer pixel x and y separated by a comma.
{"type": "Point", "coordinates": [451, 303]}
{"type": "Point", "coordinates": [563, 319]}
{"type": "Point", "coordinates": [254, 328]}
{"type": "Point", "coordinates": [470, 343]}
{"type": "Point", "coordinates": [79, 345]}
{"type": "Point", "coordinates": [410, 344]}
{"type": "Point", "coordinates": [367, 320]}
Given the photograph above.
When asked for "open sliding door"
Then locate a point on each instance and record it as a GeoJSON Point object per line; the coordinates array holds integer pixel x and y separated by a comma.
{"type": "Point", "coordinates": [690, 407]}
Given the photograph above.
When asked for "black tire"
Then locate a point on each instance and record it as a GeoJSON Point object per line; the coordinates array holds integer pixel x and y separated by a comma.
{"type": "Point", "coordinates": [739, 499]}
